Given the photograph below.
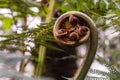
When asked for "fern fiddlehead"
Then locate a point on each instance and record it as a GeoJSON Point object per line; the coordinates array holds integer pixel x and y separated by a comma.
{"type": "Point", "coordinates": [72, 29]}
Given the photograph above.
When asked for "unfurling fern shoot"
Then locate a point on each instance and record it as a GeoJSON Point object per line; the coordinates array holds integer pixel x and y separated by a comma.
{"type": "Point", "coordinates": [71, 30]}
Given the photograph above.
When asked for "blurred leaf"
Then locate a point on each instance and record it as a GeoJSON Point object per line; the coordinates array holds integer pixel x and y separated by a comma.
{"type": "Point", "coordinates": [11, 59]}
{"type": "Point", "coordinates": [103, 5]}
{"type": "Point", "coordinates": [79, 5]}
{"type": "Point", "coordinates": [98, 72]}
{"type": "Point", "coordinates": [113, 72]}
{"type": "Point", "coordinates": [48, 38]}
{"type": "Point", "coordinates": [13, 74]}
{"type": "Point", "coordinates": [50, 46]}
{"type": "Point", "coordinates": [7, 22]}
{"type": "Point", "coordinates": [116, 11]}
{"type": "Point", "coordinates": [111, 5]}
{"type": "Point", "coordinates": [18, 76]}
{"type": "Point", "coordinates": [96, 78]}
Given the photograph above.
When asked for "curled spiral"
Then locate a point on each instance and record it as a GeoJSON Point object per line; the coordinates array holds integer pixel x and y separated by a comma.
{"type": "Point", "coordinates": [72, 29]}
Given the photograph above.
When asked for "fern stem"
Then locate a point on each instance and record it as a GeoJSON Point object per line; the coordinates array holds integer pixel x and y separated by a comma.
{"type": "Point", "coordinates": [42, 49]}
{"type": "Point", "coordinates": [92, 47]}
{"type": "Point", "coordinates": [22, 66]}
{"type": "Point", "coordinates": [82, 71]}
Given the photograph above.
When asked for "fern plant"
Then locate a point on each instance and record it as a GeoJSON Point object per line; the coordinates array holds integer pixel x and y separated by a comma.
{"type": "Point", "coordinates": [105, 14]}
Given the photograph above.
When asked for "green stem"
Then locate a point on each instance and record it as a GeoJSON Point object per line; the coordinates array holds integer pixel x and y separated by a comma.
{"type": "Point", "coordinates": [82, 71]}
{"type": "Point", "coordinates": [22, 64]}
{"type": "Point", "coordinates": [41, 57]}
{"type": "Point", "coordinates": [42, 49]}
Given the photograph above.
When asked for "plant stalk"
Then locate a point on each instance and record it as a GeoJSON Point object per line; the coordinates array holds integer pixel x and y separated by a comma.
{"type": "Point", "coordinates": [82, 71]}
{"type": "Point", "coordinates": [42, 49]}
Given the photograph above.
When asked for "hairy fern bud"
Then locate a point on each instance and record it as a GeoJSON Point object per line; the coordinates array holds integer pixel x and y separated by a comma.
{"type": "Point", "coordinates": [71, 29]}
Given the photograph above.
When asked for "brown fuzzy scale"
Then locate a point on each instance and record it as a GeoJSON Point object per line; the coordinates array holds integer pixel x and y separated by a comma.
{"type": "Point", "coordinates": [73, 36]}
{"type": "Point", "coordinates": [73, 32]}
{"type": "Point", "coordinates": [73, 20]}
